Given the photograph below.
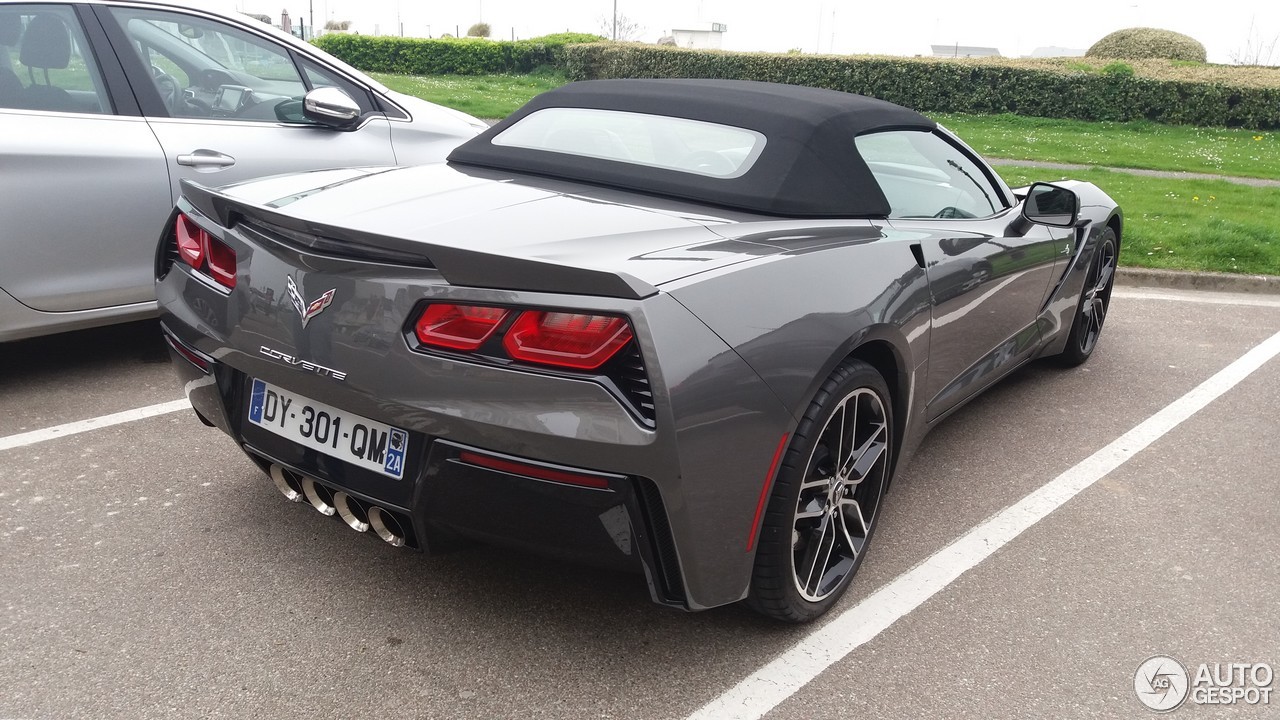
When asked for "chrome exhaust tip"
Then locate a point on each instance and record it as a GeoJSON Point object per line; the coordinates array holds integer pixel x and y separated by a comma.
{"type": "Point", "coordinates": [286, 482]}
{"type": "Point", "coordinates": [318, 495]}
{"type": "Point", "coordinates": [351, 511]}
{"type": "Point", "coordinates": [386, 525]}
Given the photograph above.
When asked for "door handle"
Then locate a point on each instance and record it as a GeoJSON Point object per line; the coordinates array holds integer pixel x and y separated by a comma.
{"type": "Point", "coordinates": [206, 159]}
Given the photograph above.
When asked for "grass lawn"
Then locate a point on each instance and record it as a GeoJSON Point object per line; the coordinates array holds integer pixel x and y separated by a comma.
{"type": "Point", "coordinates": [1242, 153]}
{"type": "Point", "coordinates": [483, 96]}
{"type": "Point", "coordinates": [1185, 224]}
{"type": "Point", "coordinates": [1175, 224]}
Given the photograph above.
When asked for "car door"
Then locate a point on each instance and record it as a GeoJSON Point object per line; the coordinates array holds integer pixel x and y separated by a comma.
{"type": "Point", "coordinates": [83, 185]}
{"type": "Point", "coordinates": [989, 272]}
{"type": "Point", "coordinates": [225, 100]}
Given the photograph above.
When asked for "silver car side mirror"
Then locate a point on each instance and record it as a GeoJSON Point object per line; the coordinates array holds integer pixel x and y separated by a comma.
{"type": "Point", "coordinates": [331, 107]}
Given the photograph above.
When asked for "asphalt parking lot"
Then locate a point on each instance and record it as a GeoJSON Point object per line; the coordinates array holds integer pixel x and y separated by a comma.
{"type": "Point", "coordinates": [151, 571]}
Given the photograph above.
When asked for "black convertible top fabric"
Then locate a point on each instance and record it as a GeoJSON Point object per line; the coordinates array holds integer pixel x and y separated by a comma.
{"type": "Point", "coordinates": [809, 166]}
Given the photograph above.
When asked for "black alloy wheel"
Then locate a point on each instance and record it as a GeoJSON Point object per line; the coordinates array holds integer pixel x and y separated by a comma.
{"type": "Point", "coordinates": [825, 501]}
{"type": "Point", "coordinates": [1095, 302]}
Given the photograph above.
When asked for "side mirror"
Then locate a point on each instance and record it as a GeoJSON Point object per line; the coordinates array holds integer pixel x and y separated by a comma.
{"type": "Point", "coordinates": [1051, 205]}
{"type": "Point", "coordinates": [331, 107]}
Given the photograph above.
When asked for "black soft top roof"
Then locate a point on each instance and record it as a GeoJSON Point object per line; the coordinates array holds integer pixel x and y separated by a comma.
{"type": "Point", "coordinates": [809, 166]}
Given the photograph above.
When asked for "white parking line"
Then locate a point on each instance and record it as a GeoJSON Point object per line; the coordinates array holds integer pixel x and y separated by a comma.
{"type": "Point", "coordinates": [793, 669]}
{"type": "Point", "coordinates": [74, 428]}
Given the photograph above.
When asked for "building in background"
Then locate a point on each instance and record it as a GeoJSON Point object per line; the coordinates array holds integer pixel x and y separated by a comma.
{"type": "Point", "coordinates": [964, 51]}
{"type": "Point", "coordinates": [700, 36]}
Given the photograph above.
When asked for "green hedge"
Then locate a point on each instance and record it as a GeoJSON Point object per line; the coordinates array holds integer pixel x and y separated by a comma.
{"type": "Point", "coordinates": [446, 56]}
{"type": "Point", "coordinates": [931, 85]}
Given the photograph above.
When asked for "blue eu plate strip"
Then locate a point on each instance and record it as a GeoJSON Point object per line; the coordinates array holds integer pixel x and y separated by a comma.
{"type": "Point", "coordinates": [257, 396]}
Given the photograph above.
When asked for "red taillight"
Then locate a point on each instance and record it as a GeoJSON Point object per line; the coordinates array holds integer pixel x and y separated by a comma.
{"type": "Point", "coordinates": [570, 340]}
{"type": "Point", "coordinates": [195, 246]}
{"type": "Point", "coordinates": [538, 472]}
{"type": "Point", "coordinates": [192, 241]}
{"type": "Point", "coordinates": [458, 327]}
{"type": "Point", "coordinates": [222, 263]}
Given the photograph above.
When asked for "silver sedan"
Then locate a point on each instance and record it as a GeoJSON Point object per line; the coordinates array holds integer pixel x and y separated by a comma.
{"type": "Point", "coordinates": [105, 107]}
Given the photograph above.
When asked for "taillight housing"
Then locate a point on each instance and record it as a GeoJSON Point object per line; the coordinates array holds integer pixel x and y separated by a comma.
{"type": "Point", "coordinates": [568, 340]}
{"type": "Point", "coordinates": [205, 253]}
{"type": "Point", "coordinates": [577, 341]}
{"type": "Point", "coordinates": [458, 327]}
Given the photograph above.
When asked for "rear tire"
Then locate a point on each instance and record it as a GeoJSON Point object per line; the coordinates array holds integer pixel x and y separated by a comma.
{"type": "Point", "coordinates": [1095, 303]}
{"type": "Point", "coordinates": [825, 500]}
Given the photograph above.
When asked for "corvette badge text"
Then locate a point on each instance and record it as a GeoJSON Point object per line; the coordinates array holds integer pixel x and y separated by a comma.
{"type": "Point", "coordinates": [1163, 684]}
{"type": "Point", "coordinates": [304, 364]}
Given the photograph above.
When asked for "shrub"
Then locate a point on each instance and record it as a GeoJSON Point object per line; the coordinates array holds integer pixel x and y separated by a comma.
{"type": "Point", "coordinates": [1118, 69]}
{"type": "Point", "coordinates": [445, 56]}
{"type": "Point", "coordinates": [977, 86]}
{"type": "Point", "coordinates": [567, 38]}
{"type": "Point", "coordinates": [1143, 43]}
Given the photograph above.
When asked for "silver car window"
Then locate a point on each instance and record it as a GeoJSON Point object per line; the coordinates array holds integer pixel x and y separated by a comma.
{"type": "Point", "coordinates": [209, 69]}
{"type": "Point", "coordinates": [44, 64]}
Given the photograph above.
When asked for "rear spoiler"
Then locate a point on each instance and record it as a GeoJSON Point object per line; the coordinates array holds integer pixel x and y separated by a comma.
{"type": "Point", "coordinates": [458, 266]}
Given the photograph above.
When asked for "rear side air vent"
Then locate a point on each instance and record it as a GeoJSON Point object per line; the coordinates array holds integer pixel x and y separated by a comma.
{"type": "Point", "coordinates": [633, 380]}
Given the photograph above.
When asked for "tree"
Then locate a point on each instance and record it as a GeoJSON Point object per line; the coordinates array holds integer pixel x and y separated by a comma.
{"type": "Point", "coordinates": [480, 29]}
{"type": "Point", "coordinates": [259, 17]}
{"type": "Point", "coordinates": [1256, 50]}
{"type": "Point", "coordinates": [624, 29]}
{"type": "Point", "coordinates": [337, 25]}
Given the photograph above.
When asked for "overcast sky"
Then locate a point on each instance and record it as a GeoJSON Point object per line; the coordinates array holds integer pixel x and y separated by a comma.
{"type": "Point", "coordinates": [841, 26]}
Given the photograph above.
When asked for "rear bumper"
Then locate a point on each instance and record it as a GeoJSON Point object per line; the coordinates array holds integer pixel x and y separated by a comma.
{"type": "Point", "coordinates": [621, 527]}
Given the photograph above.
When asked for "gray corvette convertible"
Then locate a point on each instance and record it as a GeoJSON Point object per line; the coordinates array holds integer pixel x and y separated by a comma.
{"type": "Point", "coordinates": [681, 327]}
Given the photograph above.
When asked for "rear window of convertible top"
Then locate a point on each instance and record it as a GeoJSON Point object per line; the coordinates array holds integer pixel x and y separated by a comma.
{"type": "Point", "coordinates": [672, 143]}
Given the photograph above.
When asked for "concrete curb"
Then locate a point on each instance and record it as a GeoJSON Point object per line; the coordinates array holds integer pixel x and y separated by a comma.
{"type": "Point", "coordinates": [1181, 280]}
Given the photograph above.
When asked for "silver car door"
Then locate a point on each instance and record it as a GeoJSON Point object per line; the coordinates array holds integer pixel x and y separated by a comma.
{"type": "Point", "coordinates": [225, 101]}
{"type": "Point", "coordinates": [83, 185]}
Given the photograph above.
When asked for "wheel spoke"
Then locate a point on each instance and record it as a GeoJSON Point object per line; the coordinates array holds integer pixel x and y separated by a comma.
{"type": "Point", "coordinates": [826, 556]}
{"type": "Point", "coordinates": [848, 503]}
{"type": "Point", "coordinates": [814, 551]}
{"type": "Point", "coordinates": [844, 412]}
{"type": "Point", "coordinates": [844, 529]}
{"type": "Point", "coordinates": [1104, 276]}
{"type": "Point", "coordinates": [866, 456]}
{"type": "Point", "coordinates": [813, 509]}
{"type": "Point", "coordinates": [820, 482]}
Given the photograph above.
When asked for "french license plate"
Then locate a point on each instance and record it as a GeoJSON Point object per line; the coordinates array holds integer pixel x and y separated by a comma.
{"type": "Point", "coordinates": [337, 433]}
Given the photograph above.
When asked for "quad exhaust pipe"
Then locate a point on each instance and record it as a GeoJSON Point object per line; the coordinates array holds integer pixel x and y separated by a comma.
{"type": "Point", "coordinates": [357, 514]}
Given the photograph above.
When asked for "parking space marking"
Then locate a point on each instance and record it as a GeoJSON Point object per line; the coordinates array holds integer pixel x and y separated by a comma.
{"type": "Point", "coordinates": [778, 680]}
{"type": "Point", "coordinates": [1198, 296]}
{"type": "Point", "coordinates": [74, 428]}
